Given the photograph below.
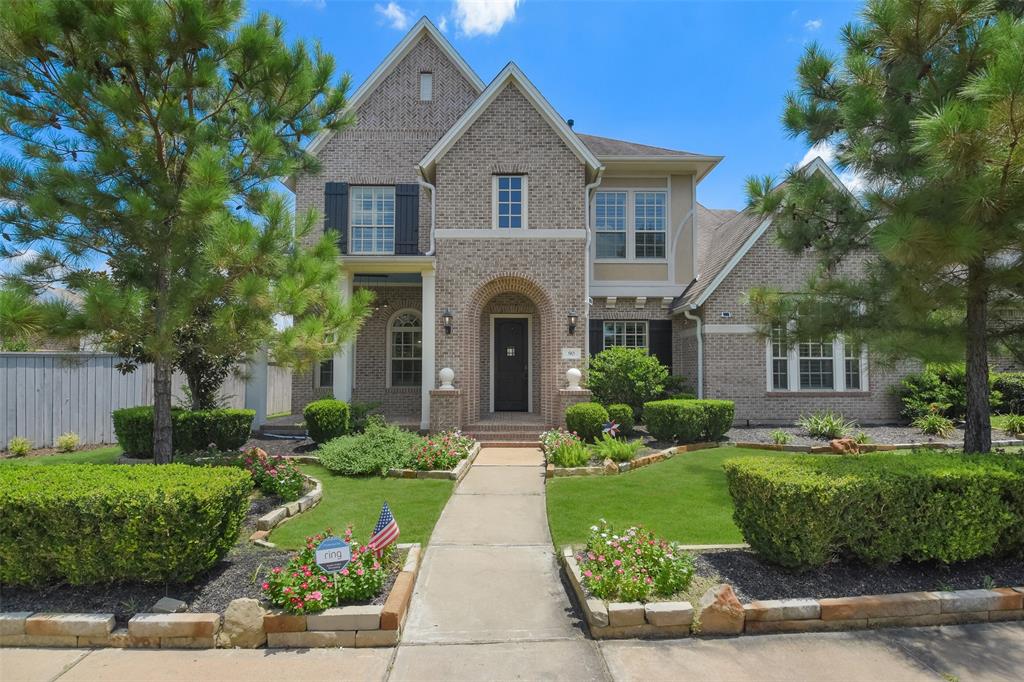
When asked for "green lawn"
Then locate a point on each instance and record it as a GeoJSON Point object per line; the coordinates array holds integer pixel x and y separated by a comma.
{"type": "Point", "coordinates": [683, 499]}
{"type": "Point", "coordinates": [415, 503]}
{"type": "Point", "coordinates": [104, 455]}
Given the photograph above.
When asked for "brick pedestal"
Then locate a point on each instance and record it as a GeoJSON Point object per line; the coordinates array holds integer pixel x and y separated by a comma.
{"type": "Point", "coordinates": [445, 409]}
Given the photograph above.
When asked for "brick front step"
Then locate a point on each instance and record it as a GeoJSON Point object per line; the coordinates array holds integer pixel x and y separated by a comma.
{"type": "Point", "coordinates": [508, 443]}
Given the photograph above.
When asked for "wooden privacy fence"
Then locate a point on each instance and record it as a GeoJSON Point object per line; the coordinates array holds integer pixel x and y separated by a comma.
{"type": "Point", "coordinates": [45, 394]}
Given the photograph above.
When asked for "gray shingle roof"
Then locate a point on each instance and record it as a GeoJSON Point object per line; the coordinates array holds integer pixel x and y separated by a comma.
{"type": "Point", "coordinates": [606, 146]}
{"type": "Point", "coordinates": [720, 234]}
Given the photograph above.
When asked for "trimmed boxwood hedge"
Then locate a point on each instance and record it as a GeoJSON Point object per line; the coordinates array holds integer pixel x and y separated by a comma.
{"type": "Point", "coordinates": [688, 421]}
{"type": "Point", "coordinates": [586, 420]}
{"type": "Point", "coordinates": [92, 523]}
{"type": "Point", "coordinates": [622, 414]}
{"type": "Point", "coordinates": [800, 511]}
{"type": "Point", "coordinates": [191, 430]}
{"type": "Point", "coordinates": [327, 419]}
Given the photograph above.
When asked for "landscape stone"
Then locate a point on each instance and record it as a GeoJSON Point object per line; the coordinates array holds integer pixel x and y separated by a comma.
{"type": "Point", "coordinates": [243, 624]}
{"type": "Point", "coordinates": [782, 609]}
{"type": "Point", "coordinates": [397, 603]}
{"type": "Point", "coordinates": [844, 446]}
{"type": "Point", "coordinates": [880, 606]}
{"type": "Point", "coordinates": [189, 625]}
{"type": "Point", "coordinates": [598, 612]}
{"type": "Point", "coordinates": [373, 638]}
{"type": "Point", "coordinates": [76, 624]}
{"type": "Point", "coordinates": [279, 621]}
{"type": "Point", "coordinates": [13, 622]}
{"type": "Point", "coordinates": [171, 605]}
{"type": "Point", "coordinates": [666, 613]}
{"type": "Point", "coordinates": [610, 467]}
{"type": "Point", "coordinates": [311, 640]}
{"type": "Point", "coordinates": [625, 613]}
{"type": "Point", "coordinates": [962, 601]}
{"type": "Point", "coordinates": [346, 618]}
{"type": "Point", "coordinates": [271, 518]}
{"type": "Point", "coordinates": [721, 612]}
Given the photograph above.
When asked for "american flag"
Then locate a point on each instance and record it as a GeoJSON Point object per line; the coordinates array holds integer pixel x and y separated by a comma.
{"type": "Point", "coordinates": [386, 531]}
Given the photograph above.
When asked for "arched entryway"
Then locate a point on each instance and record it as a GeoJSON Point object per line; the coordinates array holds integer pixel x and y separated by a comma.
{"type": "Point", "coordinates": [512, 365]}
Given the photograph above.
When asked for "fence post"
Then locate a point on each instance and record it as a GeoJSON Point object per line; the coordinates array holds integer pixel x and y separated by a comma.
{"type": "Point", "coordinates": [256, 388]}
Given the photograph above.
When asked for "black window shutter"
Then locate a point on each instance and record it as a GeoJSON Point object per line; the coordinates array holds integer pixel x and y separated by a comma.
{"type": "Point", "coordinates": [596, 337]}
{"type": "Point", "coordinates": [407, 219]}
{"type": "Point", "coordinates": [659, 341]}
{"type": "Point", "coordinates": [336, 212]}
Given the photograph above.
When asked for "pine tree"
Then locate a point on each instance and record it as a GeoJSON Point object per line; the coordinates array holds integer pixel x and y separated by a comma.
{"type": "Point", "coordinates": [150, 136]}
{"type": "Point", "coordinates": [926, 106]}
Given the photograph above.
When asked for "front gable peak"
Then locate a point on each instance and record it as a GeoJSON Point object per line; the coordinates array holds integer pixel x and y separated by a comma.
{"type": "Point", "coordinates": [511, 74]}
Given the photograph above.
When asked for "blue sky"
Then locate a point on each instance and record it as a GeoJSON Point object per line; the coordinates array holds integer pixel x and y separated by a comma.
{"type": "Point", "coordinates": [706, 77]}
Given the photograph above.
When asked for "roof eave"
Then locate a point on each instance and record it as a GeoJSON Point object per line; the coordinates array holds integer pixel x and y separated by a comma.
{"type": "Point", "coordinates": [699, 165]}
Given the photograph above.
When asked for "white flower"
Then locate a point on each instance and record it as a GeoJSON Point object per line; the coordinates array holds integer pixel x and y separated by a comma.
{"type": "Point", "coordinates": [593, 528]}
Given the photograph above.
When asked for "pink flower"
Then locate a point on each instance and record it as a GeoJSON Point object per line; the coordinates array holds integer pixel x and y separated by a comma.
{"type": "Point", "coordinates": [344, 571]}
{"type": "Point", "coordinates": [600, 557]}
{"type": "Point", "coordinates": [617, 562]}
{"type": "Point", "coordinates": [287, 590]}
{"type": "Point", "coordinates": [360, 571]}
{"type": "Point", "coordinates": [588, 573]}
{"type": "Point", "coordinates": [277, 570]}
{"type": "Point", "coordinates": [316, 596]}
{"type": "Point", "coordinates": [266, 586]}
{"type": "Point", "coordinates": [304, 586]}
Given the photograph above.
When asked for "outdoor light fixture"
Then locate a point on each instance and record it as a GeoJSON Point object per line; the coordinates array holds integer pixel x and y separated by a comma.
{"type": "Point", "coordinates": [573, 321]}
{"type": "Point", "coordinates": [446, 320]}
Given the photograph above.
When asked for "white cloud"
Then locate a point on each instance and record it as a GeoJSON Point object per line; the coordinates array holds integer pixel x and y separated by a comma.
{"type": "Point", "coordinates": [396, 17]}
{"type": "Point", "coordinates": [443, 24]}
{"type": "Point", "coordinates": [853, 180]}
{"type": "Point", "coordinates": [315, 4]}
{"type": "Point", "coordinates": [813, 24]}
{"type": "Point", "coordinates": [483, 17]}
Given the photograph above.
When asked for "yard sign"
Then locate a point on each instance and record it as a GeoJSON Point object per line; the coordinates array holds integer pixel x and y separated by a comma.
{"type": "Point", "coordinates": [333, 554]}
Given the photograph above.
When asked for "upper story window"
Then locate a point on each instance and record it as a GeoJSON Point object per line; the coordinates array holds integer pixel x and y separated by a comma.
{"type": "Point", "coordinates": [628, 333]}
{"type": "Point", "coordinates": [372, 220]}
{"type": "Point", "coordinates": [326, 374]}
{"type": "Point", "coordinates": [610, 224]}
{"type": "Point", "coordinates": [630, 224]}
{"type": "Point", "coordinates": [405, 349]}
{"type": "Point", "coordinates": [426, 86]}
{"type": "Point", "coordinates": [649, 214]}
{"type": "Point", "coordinates": [509, 201]}
{"type": "Point", "coordinates": [815, 365]}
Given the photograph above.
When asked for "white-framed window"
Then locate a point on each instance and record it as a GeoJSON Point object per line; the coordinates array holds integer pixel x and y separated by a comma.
{"type": "Point", "coordinates": [628, 333]}
{"type": "Point", "coordinates": [649, 223]}
{"type": "Point", "coordinates": [372, 220]}
{"type": "Point", "coordinates": [426, 86]}
{"type": "Point", "coordinates": [509, 202]}
{"type": "Point", "coordinates": [405, 349]}
{"type": "Point", "coordinates": [815, 365]}
{"type": "Point", "coordinates": [610, 224]}
{"type": "Point", "coordinates": [631, 224]}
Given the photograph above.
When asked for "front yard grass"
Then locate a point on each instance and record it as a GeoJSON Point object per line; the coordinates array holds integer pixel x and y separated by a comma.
{"type": "Point", "coordinates": [416, 504]}
{"type": "Point", "coordinates": [683, 499]}
{"type": "Point", "coordinates": [105, 455]}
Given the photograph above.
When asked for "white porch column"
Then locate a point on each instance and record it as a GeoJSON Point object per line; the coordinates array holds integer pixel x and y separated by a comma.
{"type": "Point", "coordinates": [429, 328]}
{"type": "Point", "coordinates": [343, 360]}
{"type": "Point", "coordinates": [256, 387]}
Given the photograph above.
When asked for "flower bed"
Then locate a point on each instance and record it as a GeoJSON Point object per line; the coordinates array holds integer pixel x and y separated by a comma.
{"type": "Point", "coordinates": [244, 623]}
{"type": "Point", "coordinates": [442, 456]}
{"type": "Point", "coordinates": [721, 612]}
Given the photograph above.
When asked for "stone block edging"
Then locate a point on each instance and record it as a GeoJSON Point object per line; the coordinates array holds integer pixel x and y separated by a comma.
{"type": "Point", "coordinates": [279, 515]}
{"type": "Point", "coordinates": [865, 448]}
{"type": "Point", "coordinates": [347, 626]}
{"type": "Point", "coordinates": [678, 619]}
{"type": "Point", "coordinates": [456, 474]}
{"type": "Point", "coordinates": [612, 468]}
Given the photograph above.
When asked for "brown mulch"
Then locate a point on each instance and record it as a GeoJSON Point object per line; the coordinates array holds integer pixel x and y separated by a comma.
{"type": "Point", "coordinates": [281, 446]}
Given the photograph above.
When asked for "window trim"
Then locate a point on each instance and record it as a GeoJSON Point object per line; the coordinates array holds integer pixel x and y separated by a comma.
{"type": "Point", "coordinates": [647, 333]}
{"type": "Point", "coordinates": [526, 200]}
{"type": "Point", "coordinates": [352, 227]}
{"type": "Point", "coordinates": [838, 370]}
{"type": "Point", "coordinates": [389, 349]}
{"type": "Point", "coordinates": [631, 224]}
{"type": "Point", "coordinates": [426, 86]}
{"type": "Point", "coordinates": [318, 374]}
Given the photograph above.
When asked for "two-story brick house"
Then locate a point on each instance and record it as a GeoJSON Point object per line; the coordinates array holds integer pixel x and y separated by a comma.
{"type": "Point", "coordinates": [507, 247]}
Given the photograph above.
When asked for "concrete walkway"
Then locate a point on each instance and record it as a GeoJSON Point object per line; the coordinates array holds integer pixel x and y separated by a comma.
{"type": "Point", "coordinates": [489, 596]}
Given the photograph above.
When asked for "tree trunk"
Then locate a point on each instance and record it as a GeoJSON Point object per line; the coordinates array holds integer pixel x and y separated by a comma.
{"type": "Point", "coordinates": [163, 451]}
{"type": "Point", "coordinates": [978, 427]}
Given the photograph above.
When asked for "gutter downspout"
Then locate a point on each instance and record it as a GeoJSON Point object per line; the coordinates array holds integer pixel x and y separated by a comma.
{"type": "Point", "coordinates": [433, 211]}
{"type": "Point", "coordinates": [588, 264]}
{"type": "Point", "coordinates": [688, 314]}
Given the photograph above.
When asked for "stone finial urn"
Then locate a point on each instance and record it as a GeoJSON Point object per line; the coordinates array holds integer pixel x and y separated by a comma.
{"type": "Point", "coordinates": [572, 378]}
{"type": "Point", "coordinates": [447, 376]}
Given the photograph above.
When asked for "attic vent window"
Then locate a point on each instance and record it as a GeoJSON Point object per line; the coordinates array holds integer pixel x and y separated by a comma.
{"type": "Point", "coordinates": [426, 86]}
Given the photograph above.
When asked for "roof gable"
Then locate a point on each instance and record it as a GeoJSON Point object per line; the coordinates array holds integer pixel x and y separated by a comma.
{"type": "Point", "coordinates": [423, 27]}
{"type": "Point", "coordinates": [510, 74]}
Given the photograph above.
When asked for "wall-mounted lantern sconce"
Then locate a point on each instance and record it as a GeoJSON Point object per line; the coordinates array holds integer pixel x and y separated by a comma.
{"type": "Point", "coordinates": [573, 321]}
{"type": "Point", "coordinates": [446, 320]}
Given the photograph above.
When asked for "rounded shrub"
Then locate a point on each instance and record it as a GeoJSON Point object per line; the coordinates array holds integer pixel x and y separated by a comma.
{"type": "Point", "coordinates": [622, 414]}
{"type": "Point", "coordinates": [327, 419]}
{"type": "Point", "coordinates": [67, 442]}
{"type": "Point", "coordinates": [626, 375]}
{"type": "Point", "coordinates": [718, 418]}
{"type": "Point", "coordinates": [800, 511]}
{"type": "Point", "coordinates": [90, 523]}
{"type": "Point", "coordinates": [586, 420]}
{"type": "Point", "coordinates": [19, 446]}
{"type": "Point", "coordinates": [1010, 386]}
{"type": "Point", "coordinates": [379, 448]}
{"type": "Point", "coordinates": [674, 420]}
{"type": "Point", "coordinates": [191, 430]}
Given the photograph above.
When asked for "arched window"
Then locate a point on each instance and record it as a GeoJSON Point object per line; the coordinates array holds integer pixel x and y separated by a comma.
{"type": "Point", "coordinates": [405, 349]}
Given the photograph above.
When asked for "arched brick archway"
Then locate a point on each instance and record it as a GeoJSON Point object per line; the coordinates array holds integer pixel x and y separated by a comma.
{"type": "Point", "coordinates": [544, 356]}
